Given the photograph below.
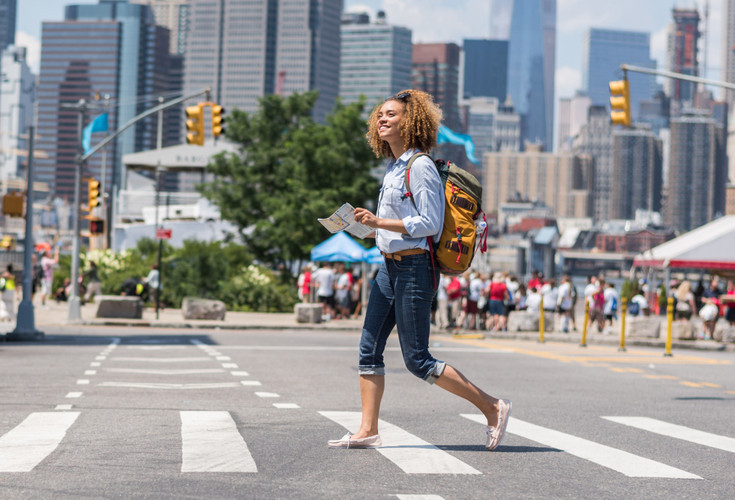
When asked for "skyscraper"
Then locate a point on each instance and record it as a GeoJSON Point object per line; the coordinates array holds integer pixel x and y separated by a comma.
{"type": "Point", "coordinates": [485, 69]}
{"type": "Point", "coordinates": [174, 15]}
{"type": "Point", "coordinates": [245, 49]}
{"type": "Point", "coordinates": [636, 169]}
{"type": "Point", "coordinates": [18, 90]}
{"type": "Point", "coordinates": [436, 71]}
{"type": "Point", "coordinates": [728, 48]}
{"type": "Point", "coordinates": [111, 48]}
{"type": "Point", "coordinates": [572, 116]}
{"type": "Point", "coordinates": [681, 53]}
{"type": "Point", "coordinates": [531, 54]}
{"type": "Point", "coordinates": [7, 23]}
{"type": "Point", "coordinates": [375, 59]}
{"type": "Point", "coordinates": [603, 52]}
{"type": "Point", "coordinates": [695, 191]}
{"type": "Point", "coordinates": [595, 139]}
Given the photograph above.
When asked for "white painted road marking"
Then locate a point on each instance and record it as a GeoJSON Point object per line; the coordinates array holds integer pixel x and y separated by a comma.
{"type": "Point", "coordinates": [240, 374]}
{"type": "Point", "coordinates": [161, 360]}
{"type": "Point", "coordinates": [250, 382]}
{"type": "Point", "coordinates": [63, 407]}
{"type": "Point", "coordinates": [286, 406]}
{"type": "Point", "coordinates": [621, 461]}
{"type": "Point", "coordinates": [154, 371]}
{"type": "Point", "coordinates": [151, 385]}
{"type": "Point", "coordinates": [267, 395]}
{"type": "Point", "coordinates": [412, 454]}
{"type": "Point", "coordinates": [419, 497]}
{"type": "Point", "coordinates": [677, 431]}
{"type": "Point", "coordinates": [73, 395]}
{"type": "Point", "coordinates": [83, 382]}
{"type": "Point", "coordinates": [229, 365]}
{"type": "Point", "coordinates": [211, 443]}
{"type": "Point", "coordinates": [25, 446]}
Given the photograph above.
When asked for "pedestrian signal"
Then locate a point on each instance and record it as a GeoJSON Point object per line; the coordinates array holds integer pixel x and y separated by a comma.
{"type": "Point", "coordinates": [96, 226]}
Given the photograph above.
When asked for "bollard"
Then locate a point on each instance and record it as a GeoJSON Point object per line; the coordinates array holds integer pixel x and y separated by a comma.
{"type": "Point", "coordinates": [669, 322]}
{"type": "Point", "coordinates": [584, 327]}
{"type": "Point", "coordinates": [623, 309]}
{"type": "Point", "coordinates": [541, 318]}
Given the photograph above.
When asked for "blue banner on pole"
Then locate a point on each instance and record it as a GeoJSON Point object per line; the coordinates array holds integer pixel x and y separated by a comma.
{"type": "Point", "coordinates": [447, 135]}
{"type": "Point", "coordinates": [99, 124]}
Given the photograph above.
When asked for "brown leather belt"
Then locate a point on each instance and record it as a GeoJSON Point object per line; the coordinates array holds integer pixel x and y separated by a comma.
{"type": "Point", "coordinates": [399, 255]}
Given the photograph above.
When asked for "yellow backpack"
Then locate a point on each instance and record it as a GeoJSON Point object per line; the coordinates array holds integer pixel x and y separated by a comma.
{"type": "Point", "coordinates": [464, 230]}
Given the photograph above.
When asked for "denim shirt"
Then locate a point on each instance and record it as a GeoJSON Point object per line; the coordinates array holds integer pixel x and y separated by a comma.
{"type": "Point", "coordinates": [428, 194]}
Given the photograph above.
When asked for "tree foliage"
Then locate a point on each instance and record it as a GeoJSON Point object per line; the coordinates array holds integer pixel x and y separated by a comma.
{"type": "Point", "coordinates": [290, 171]}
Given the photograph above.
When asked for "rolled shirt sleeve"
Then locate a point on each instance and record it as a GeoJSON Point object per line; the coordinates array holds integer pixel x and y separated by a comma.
{"type": "Point", "coordinates": [426, 189]}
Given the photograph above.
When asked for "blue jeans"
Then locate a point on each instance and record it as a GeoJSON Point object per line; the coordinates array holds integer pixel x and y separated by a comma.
{"type": "Point", "coordinates": [401, 296]}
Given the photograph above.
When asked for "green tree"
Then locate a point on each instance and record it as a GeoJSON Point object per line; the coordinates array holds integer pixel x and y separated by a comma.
{"type": "Point", "coordinates": [291, 171]}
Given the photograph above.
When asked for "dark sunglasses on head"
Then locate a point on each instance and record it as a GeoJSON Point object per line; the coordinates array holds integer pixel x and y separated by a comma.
{"type": "Point", "coordinates": [399, 97]}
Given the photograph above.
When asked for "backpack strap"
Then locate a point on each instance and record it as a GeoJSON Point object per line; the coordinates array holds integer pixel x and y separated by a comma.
{"type": "Point", "coordinates": [409, 194]}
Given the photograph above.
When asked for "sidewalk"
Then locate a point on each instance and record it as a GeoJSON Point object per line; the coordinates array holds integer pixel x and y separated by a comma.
{"type": "Point", "coordinates": [56, 315]}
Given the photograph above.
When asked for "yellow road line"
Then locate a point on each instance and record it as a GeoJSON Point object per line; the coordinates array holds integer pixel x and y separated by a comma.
{"type": "Point", "coordinates": [691, 384]}
{"type": "Point", "coordinates": [662, 377]}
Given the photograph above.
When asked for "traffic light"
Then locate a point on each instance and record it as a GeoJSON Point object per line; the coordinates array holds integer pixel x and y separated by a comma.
{"type": "Point", "coordinates": [13, 204]}
{"type": "Point", "coordinates": [218, 121]}
{"type": "Point", "coordinates": [93, 193]}
{"type": "Point", "coordinates": [195, 125]}
{"type": "Point", "coordinates": [96, 226]}
{"type": "Point", "coordinates": [620, 103]}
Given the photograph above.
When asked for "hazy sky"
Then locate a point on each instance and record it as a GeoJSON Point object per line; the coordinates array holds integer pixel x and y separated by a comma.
{"type": "Point", "coordinates": [453, 20]}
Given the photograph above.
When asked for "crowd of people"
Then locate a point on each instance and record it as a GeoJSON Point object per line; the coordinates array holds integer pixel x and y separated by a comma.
{"type": "Point", "coordinates": [335, 286]}
{"type": "Point", "coordinates": [478, 301]}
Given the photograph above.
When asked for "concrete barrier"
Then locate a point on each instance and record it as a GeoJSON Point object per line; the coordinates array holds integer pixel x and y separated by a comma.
{"type": "Point", "coordinates": [524, 321]}
{"type": "Point", "coordinates": [308, 313]}
{"type": "Point", "coordinates": [119, 306]}
{"type": "Point", "coordinates": [644, 326]}
{"type": "Point", "coordinates": [196, 308]}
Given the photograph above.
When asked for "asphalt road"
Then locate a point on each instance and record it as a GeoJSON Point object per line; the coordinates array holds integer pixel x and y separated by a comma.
{"type": "Point", "coordinates": [143, 413]}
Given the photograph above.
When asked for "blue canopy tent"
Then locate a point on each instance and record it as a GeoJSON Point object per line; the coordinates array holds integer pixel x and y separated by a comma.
{"type": "Point", "coordinates": [342, 248]}
{"type": "Point", "coordinates": [338, 248]}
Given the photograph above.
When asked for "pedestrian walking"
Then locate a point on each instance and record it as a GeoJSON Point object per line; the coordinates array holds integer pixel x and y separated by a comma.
{"type": "Point", "coordinates": [9, 293]}
{"type": "Point", "coordinates": [94, 285]}
{"type": "Point", "coordinates": [48, 264]}
{"type": "Point", "coordinates": [403, 125]}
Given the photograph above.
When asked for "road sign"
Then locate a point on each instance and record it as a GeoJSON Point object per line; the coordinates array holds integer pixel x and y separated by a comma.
{"type": "Point", "coordinates": [163, 234]}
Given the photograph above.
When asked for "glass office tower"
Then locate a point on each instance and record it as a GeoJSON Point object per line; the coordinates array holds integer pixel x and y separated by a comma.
{"type": "Point", "coordinates": [531, 62]}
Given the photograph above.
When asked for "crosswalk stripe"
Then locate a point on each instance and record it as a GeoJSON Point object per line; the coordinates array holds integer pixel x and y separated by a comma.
{"type": "Point", "coordinates": [677, 431]}
{"type": "Point", "coordinates": [160, 360]}
{"type": "Point", "coordinates": [194, 371]}
{"type": "Point", "coordinates": [211, 443]}
{"type": "Point", "coordinates": [152, 385]}
{"type": "Point", "coordinates": [412, 454]}
{"type": "Point", "coordinates": [25, 446]}
{"type": "Point", "coordinates": [621, 461]}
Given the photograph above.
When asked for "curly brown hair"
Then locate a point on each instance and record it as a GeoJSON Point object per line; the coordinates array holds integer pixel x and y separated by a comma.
{"type": "Point", "coordinates": [419, 127]}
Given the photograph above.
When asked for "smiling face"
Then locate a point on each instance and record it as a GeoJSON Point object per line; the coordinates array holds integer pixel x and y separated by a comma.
{"type": "Point", "coordinates": [389, 123]}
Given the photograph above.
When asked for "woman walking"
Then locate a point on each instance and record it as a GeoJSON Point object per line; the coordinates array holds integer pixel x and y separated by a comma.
{"type": "Point", "coordinates": [405, 124]}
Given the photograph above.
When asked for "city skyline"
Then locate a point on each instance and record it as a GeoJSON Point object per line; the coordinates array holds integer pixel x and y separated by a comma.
{"type": "Point", "coordinates": [574, 18]}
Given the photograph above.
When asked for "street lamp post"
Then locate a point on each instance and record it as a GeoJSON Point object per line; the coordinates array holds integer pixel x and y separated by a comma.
{"type": "Point", "coordinates": [25, 327]}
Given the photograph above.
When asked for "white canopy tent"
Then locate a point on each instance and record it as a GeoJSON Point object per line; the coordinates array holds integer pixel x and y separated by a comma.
{"type": "Point", "coordinates": [707, 248]}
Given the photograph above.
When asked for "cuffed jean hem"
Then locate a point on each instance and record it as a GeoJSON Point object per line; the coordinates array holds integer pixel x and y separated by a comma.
{"type": "Point", "coordinates": [436, 372]}
{"type": "Point", "coordinates": [370, 370]}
